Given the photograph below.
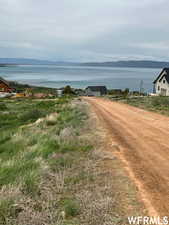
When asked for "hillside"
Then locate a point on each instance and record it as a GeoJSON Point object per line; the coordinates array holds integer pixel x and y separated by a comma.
{"type": "Point", "coordinates": [25, 61]}
{"type": "Point", "coordinates": [133, 63]}
{"type": "Point", "coordinates": [130, 63]}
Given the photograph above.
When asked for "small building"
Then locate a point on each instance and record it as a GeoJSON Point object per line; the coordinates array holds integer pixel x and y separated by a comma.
{"type": "Point", "coordinates": [161, 83]}
{"type": "Point", "coordinates": [96, 90]}
{"type": "Point", "coordinates": [4, 86]}
{"type": "Point", "coordinates": [59, 92]}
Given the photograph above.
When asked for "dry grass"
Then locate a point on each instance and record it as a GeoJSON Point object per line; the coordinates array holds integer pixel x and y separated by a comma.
{"type": "Point", "coordinates": [71, 184]}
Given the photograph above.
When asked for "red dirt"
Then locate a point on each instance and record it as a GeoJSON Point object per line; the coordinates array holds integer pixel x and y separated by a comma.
{"type": "Point", "coordinates": [142, 142]}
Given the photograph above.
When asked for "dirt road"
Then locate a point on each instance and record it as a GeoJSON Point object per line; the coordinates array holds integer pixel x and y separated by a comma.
{"type": "Point", "coordinates": [141, 140]}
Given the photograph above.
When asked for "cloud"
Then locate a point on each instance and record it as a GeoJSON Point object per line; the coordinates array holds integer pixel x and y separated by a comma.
{"type": "Point", "coordinates": [160, 46]}
{"type": "Point", "coordinates": [84, 29]}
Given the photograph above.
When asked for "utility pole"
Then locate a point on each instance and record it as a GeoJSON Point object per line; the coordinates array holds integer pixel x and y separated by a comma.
{"type": "Point", "coordinates": [141, 87]}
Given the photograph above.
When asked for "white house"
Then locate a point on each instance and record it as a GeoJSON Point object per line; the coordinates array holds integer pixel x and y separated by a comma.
{"type": "Point", "coordinates": [161, 83]}
{"type": "Point", "coordinates": [59, 92]}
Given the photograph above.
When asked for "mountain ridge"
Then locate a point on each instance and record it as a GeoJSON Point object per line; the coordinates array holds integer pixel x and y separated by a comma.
{"type": "Point", "coordinates": [122, 63]}
{"type": "Point", "coordinates": [130, 63]}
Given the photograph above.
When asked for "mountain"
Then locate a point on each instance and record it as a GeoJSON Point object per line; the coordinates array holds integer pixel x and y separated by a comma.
{"type": "Point", "coordinates": [131, 63]}
{"type": "Point", "coordinates": [24, 61]}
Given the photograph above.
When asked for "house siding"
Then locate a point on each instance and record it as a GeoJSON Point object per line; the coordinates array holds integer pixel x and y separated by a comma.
{"type": "Point", "coordinates": [93, 93]}
{"type": "Point", "coordinates": [96, 90]}
{"type": "Point", "coordinates": [162, 86]}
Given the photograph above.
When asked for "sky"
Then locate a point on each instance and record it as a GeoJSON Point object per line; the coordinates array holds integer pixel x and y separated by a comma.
{"type": "Point", "coordinates": [85, 30]}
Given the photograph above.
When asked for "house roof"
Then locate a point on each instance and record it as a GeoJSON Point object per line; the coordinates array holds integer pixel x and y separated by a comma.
{"type": "Point", "coordinates": [98, 88]}
{"type": "Point", "coordinates": [166, 75]}
{"type": "Point", "coordinates": [4, 81]}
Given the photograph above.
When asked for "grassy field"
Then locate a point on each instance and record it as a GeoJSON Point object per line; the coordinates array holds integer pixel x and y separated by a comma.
{"type": "Point", "coordinates": [158, 104]}
{"type": "Point", "coordinates": [31, 153]}
{"type": "Point", "coordinates": [50, 169]}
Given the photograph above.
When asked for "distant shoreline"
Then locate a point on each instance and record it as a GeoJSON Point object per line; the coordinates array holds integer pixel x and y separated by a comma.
{"type": "Point", "coordinates": [7, 65]}
{"type": "Point", "coordinates": [5, 62]}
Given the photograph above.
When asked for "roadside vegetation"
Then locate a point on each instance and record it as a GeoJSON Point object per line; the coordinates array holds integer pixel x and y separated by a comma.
{"type": "Point", "coordinates": [51, 171]}
{"type": "Point", "coordinates": [158, 104]}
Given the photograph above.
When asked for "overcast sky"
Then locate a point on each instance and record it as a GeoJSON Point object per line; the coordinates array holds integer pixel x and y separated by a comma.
{"type": "Point", "coordinates": [85, 30]}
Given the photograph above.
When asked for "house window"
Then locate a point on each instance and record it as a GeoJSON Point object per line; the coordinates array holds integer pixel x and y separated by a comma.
{"type": "Point", "coordinates": [163, 81]}
{"type": "Point", "coordinates": [158, 88]}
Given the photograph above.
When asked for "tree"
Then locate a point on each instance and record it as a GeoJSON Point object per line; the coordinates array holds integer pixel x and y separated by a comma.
{"type": "Point", "coordinates": [126, 92]}
{"type": "Point", "coordinates": [68, 90]}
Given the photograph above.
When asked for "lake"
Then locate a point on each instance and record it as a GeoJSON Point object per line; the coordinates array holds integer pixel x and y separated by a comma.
{"type": "Point", "coordinates": [81, 76]}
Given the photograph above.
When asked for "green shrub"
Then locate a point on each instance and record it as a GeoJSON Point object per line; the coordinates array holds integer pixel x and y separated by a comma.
{"type": "Point", "coordinates": [51, 122]}
{"type": "Point", "coordinates": [160, 101]}
{"type": "Point", "coordinates": [31, 184]}
{"type": "Point", "coordinates": [31, 115]}
{"type": "Point", "coordinates": [70, 117]}
{"type": "Point", "coordinates": [31, 155]}
{"type": "Point", "coordinates": [45, 104]}
{"type": "Point", "coordinates": [3, 107]}
{"type": "Point", "coordinates": [63, 100]}
{"type": "Point", "coordinates": [12, 174]}
{"type": "Point", "coordinates": [32, 140]}
{"type": "Point", "coordinates": [8, 120]}
{"type": "Point", "coordinates": [10, 149]}
{"type": "Point", "coordinates": [71, 207]}
{"type": "Point", "coordinates": [4, 138]}
{"type": "Point", "coordinates": [48, 147]}
{"type": "Point", "coordinates": [74, 146]}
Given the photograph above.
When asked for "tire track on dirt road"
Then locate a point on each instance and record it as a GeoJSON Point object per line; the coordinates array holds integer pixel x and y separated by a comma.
{"type": "Point", "coordinates": [143, 141]}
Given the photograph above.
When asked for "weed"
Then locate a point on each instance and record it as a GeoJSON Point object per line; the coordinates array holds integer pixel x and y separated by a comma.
{"type": "Point", "coordinates": [76, 179]}
{"type": "Point", "coordinates": [61, 162]}
{"type": "Point", "coordinates": [3, 107]}
{"type": "Point", "coordinates": [45, 105]}
{"type": "Point", "coordinates": [31, 155]}
{"type": "Point", "coordinates": [12, 174]}
{"type": "Point", "coordinates": [10, 149]}
{"type": "Point", "coordinates": [32, 115]}
{"type": "Point", "coordinates": [31, 184]}
{"type": "Point", "coordinates": [48, 147]}
{"type": "Point", "coordinates": [4, 138]}
{"type": "Point", "coordinates": [32, 140]}
{"type": "Point", "coordinates": [7, 210]}
{"type": "Point", "coordinates": [156, 103]}
{"type": "Point", "coordinates": [51, 122]}
{"type": "Point", "coordinates": [71, 207]}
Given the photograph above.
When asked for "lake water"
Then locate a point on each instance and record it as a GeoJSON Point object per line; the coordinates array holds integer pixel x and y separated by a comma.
{"type": "Point", "coordinates": [81, 76]}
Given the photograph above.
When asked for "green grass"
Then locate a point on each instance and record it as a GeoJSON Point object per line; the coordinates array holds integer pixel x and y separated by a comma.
{"type": "Point", "coordinates": [31, 115]}
{"type": "Point", "coordinates": [20, 112]}
{"type": "Point", "coordinates": [48, 169]}
{"type": "Point", "coordinates": [10, 149]}
{"type": "Point", "coordinates": [26, 150]}
{"type": "Point", "coordinates": [61, 162]}
{"type": "Point", "coordinates": [13, 172]}
{"type": "Point", "coordinates": [71, 207]}
{"type": "Point", "coordinates": [48, 147]}
{"type": "Point", "coordinates": [3, 107]}
{"type": "Point", "coordinates": [158, 104]}
{"type": "Point", "coordinates": [31, 184]}
{"type": "Point", "coordinates": [7, 210]}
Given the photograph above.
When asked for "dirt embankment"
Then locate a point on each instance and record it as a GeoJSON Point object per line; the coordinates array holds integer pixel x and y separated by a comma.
{"type": "Point", "coordinates": [141, 140]}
